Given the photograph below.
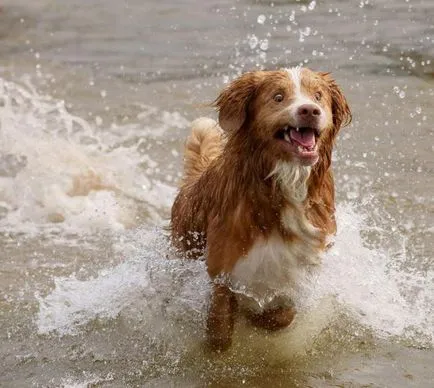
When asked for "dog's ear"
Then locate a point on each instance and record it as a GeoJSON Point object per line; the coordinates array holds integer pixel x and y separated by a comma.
{"type": "Point", "coordinates": [232, 103]}
{"type": "Point", "coordinates": [341, 111]}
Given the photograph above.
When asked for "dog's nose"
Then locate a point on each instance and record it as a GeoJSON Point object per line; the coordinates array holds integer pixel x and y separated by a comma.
{"type": "Point", "coordinates": [308, 111]}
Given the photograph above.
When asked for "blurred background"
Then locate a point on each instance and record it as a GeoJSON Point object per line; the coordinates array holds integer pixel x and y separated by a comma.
{"type": "Point", "coordinates": [96, 98]}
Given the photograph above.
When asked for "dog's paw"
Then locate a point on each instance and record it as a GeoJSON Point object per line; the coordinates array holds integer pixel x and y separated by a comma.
{"type": "Point", "coordinates": [273, 319]}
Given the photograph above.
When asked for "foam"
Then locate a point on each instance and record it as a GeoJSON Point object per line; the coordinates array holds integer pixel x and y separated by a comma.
{"type": "Point", "coordinates": [45, 152]}
{"type": "Point", "coordinates": [89, 381]}
{"type": "Point", "coordinates": [142, 283]}
{"type": "Point", "coordinates": [391, 300]}
{"type": "Point", "coordinates": [358, 279]}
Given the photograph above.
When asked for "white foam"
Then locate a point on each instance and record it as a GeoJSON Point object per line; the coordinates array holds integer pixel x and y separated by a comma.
{"type": "Point", "coordinates": [391, 300]}
{"type": "Point", "coordinates": [361, 280]}
{"type": "Point", "coordinates": [44, 150]}
{"type": "Point", "coordinates": [140, 286]}
{"type": "Point", "coordinates": [90, 380]}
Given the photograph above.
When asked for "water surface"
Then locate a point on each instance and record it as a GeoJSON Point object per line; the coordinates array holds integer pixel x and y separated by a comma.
{"type": "Point", "coordinates": [95, 102]}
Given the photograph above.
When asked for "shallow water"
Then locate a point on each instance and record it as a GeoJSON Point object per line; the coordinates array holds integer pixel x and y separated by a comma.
{"type": "Point", "coordinates": [95, 102]}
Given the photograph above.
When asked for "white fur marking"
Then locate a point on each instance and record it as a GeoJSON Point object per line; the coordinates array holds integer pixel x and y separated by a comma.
{"type": "Point", "coordinates": [299, 225]}
{"type": "Point", "coordinates": [295, 73]}
{"type": "Point", "coordinates": [292, 179]}
{"type": "Point", "coordinates": [272, 273]}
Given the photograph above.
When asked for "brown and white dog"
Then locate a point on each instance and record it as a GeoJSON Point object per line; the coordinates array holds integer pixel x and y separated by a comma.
{"type": "Point", "coordinates": [257, 198]}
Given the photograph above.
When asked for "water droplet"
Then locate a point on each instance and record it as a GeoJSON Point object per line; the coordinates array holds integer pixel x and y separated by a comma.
{"type": "Point", "coordinates": [312, 5]}
{"type": "Point", "coordinates": [261, 19]}
{"type": "Point", "coordinates": [253, 41]}
{"type": "Point", "coordinates": [264, 45]}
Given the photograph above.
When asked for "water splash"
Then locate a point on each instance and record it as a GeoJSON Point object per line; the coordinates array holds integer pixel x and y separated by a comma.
{"type": "Point", "coordinates": [391, 300]}
{"type": "Point", "coordinates": [146, 285]}
{"type": "Point", "coordinates": [152, 288]}
{"type": "Point", "coordinates": [57, 171]}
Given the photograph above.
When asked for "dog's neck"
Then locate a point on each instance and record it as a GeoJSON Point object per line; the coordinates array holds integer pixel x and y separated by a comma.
{"type": "Point", "coordinates": [256, 169]}
{"type": "Point", "coordinates": [292, 179]}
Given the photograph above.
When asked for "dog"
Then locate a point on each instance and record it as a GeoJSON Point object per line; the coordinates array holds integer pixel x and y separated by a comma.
{"type": "Point", "coordinates": [257, 197]}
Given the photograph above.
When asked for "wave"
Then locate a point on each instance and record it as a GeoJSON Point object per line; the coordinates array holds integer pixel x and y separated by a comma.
{"type": "Point", "coordinates": [60, 172]}
{"type": "Point", "coordinates": [154, 289]}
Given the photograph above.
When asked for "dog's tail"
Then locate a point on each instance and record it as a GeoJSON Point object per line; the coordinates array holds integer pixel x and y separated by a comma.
{"type": "Point", "coordinates": [203, 145]}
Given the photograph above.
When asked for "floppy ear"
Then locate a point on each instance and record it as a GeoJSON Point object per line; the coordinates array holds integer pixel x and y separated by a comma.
{"type": "Point", "coordinates": [233, 101]}
{"type": "Point", "coordinates": [341, 117]}
{"type": "Point", "coordinates": [341, 111]}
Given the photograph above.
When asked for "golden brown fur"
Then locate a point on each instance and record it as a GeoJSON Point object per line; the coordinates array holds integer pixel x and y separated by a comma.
{"type": "Point", "coordinates": [230, 199]}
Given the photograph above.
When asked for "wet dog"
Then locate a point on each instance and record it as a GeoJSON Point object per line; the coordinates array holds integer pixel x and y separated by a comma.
{"type": "Point", "coordinates": [257, 197]}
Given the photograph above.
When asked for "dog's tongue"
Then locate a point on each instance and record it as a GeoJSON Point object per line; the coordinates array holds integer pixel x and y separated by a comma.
{"type": "Point", "coordinates": [305, 137]}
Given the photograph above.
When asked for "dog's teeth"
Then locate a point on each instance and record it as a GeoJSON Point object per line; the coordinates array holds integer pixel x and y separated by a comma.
{"type": "Point", "coordinates": [297, 129]}
{"type": "Point", "coordinates": [286, 137]}
{"type": "Point", "coordinates": [299, 149]}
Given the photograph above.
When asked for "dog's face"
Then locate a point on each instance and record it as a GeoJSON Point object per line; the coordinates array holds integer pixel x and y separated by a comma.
{"type": "Point", "coordinates": [289, 114]}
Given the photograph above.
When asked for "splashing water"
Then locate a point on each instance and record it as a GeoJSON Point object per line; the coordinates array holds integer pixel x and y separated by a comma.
{"type": "Point", "coordinates": [384, 297]}
{"type": "Point", "coordinates": [57, 170]}
{"type": "Point", "coordinates": [150, 287]}
{"type": "Point", "coordinates": [145, 281]}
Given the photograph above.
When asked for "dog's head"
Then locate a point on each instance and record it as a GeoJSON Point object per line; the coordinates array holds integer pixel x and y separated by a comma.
{"type": "Point", "coordinates": [289, 114]}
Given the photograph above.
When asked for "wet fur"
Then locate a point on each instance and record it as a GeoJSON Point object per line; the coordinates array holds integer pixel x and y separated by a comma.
{"type": "Point", "coordinates": [239, 193]}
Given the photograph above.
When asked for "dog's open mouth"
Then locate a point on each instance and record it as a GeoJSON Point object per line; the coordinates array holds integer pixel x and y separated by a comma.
{"type": "Point", "coordinates": [301, 141]}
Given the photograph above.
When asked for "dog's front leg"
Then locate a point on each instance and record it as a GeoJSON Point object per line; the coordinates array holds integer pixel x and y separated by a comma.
{"type": "Point", "coordinates": [221, 316]}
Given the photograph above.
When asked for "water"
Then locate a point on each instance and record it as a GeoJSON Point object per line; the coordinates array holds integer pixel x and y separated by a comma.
{"type": "Point", "coordinates": [95, 102]}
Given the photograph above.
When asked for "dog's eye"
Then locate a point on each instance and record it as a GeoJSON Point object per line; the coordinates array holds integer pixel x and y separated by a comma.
{"type": "Point", "coordinates": [318, 96]}
{"type": "Point", "coordinates": [278, 97]}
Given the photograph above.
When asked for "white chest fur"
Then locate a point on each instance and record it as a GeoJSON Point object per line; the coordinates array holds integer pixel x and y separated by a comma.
{"type": "Point", "coordinates": [271, 274]}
